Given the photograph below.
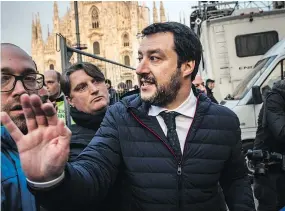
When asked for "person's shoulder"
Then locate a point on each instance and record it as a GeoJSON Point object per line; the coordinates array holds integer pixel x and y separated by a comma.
{"type": "Point", "coordinates": [120, 108]}
{"type": "Point", "coordinates": [128, 101]}
{"type": "Point", "coordinates": [221, 110]}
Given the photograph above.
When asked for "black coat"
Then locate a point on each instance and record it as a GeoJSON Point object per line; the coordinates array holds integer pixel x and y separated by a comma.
{"type": "Point", "coordinates": [270, 133]}
{"type": "Point", "coordinates": [83, 130]}
{"type": "Point", "coordinates": [131, 144]}
{"type": "Point", "coordinates": [114, 97]}
{"type": "Point", "coordinates": [80, 138]}
{"type": "Point", "coordinates": [82, 133]}
{"type": "Point", "coordinates": [210, 95]}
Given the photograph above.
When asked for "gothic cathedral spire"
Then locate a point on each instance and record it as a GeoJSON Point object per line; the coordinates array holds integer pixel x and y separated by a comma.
{"type": "Point", "coordinates": [162, 13]}
{"type": "Point", "coordinates": [39, 28]}
{"type": "Point", "coordinates": [34, 30]}
{"type": "Point", "coordinates": [155, 18]}
{"type": "Point", "coordinates": [55, 10]}
{"type": "Point", "coordinates": [55, 18]}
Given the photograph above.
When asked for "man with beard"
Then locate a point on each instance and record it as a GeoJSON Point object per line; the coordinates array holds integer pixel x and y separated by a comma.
{"type": "Point", "coordinates": [18, 76]}
{"type": "Point", "coordinates": [160, 162]}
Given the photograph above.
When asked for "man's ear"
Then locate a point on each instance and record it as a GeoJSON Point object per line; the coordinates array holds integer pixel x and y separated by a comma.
{"type": "Point", "coordinates": [69, 99]}
{"type": "Point", "coordinates": [188, 68]}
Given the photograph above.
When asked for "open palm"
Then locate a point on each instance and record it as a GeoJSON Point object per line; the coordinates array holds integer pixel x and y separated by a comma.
{"type": "Point", "coordinates": [44, 149]}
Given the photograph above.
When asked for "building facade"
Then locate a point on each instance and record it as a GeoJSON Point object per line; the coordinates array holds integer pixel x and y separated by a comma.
{"type": "Point", "coordinates": [107, 29]}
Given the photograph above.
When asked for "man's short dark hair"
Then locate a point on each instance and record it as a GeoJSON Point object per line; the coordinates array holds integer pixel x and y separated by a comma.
{"type": "Point", "coordinates": [186, 43]}
{"type": "Point", "coordinates": [209, 81]}
{"type": "Point", "coordinates": [90, 69]}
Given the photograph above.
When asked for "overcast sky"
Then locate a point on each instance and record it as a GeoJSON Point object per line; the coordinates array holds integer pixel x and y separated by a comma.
{"type": "Point", "coordinates": [16, 17]}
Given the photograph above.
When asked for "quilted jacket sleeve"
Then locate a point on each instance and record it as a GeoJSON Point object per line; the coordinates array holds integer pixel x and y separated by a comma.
{"type": "Point", "coordinates": [90, 176]}
{"type": "Point", "coordinates": [234, 180]}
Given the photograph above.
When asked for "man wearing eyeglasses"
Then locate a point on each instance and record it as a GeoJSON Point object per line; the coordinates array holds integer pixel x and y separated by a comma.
{"type": "Point", "coordinates": [18, 76]}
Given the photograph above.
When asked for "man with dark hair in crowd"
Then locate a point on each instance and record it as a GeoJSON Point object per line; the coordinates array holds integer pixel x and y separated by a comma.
{"type": "Point", "coordinates": [210, 85]}
{"type": "Point", "coordinates": [269, 189]}
{"type": "Point", "coordinates": [112, 92]}
{"type": "Point", "coordinates": [199, 84]}
{"type": "Point", "coordinates": [84, 87]}
{"type": "Point", "coordinates": [19, 76]}
{"type": "Point", "coordinates": [56, 96]}
{"type": "Point", "coordinates": [165, 163]}
{"type": "Point", "coordinates": [122, 89]}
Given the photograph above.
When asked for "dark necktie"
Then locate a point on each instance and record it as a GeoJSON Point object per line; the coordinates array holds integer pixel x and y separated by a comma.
{"type": "Point", "coordinates": [172, 137]}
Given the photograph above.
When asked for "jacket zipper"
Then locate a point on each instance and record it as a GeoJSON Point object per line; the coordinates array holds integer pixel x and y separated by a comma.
{"type": "Point", "coordinates": [179, 175]}
{"type": "Point", "coordinates": [179, 160]}
{"type": "Point", "coordinates": [179, 167]}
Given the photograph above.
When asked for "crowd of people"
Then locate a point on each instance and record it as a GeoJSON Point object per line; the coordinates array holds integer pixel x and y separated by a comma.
{"type": "Point", "coordinates": [165, 145]}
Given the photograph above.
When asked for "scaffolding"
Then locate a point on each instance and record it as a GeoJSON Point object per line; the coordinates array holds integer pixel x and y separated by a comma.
{"type": "Point", "coordinates": [206, 10]}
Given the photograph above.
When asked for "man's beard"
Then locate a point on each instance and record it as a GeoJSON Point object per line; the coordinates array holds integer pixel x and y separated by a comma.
{"type": "Point", "coordinates": [19, 120]}
{"type": "Point", "coordinates": [166, 93]}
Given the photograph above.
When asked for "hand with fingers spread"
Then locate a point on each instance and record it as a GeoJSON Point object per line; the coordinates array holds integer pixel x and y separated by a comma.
{"type": "Point", "coordinates": [44, 149]}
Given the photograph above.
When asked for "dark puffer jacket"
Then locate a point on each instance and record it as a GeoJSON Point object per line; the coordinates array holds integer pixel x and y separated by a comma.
{"type": "Point", "coordinates": [81, 137]}
{"type": "Point", "coordinates": [131, 143]}
{"type": "Point", "coordinates": [270, 133]}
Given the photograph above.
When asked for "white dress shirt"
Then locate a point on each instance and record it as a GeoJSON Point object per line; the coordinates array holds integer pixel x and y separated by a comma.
{"type": "Point", "coordinates": [183, 122]}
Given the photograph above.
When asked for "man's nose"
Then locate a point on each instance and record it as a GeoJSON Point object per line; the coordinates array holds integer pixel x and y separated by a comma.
{"type": "Point", "coordinates": [19, 88]}
{"type": "Point", "coordinates": [143, 67]}
{"type": "Point", "coordinates": [93, 88]}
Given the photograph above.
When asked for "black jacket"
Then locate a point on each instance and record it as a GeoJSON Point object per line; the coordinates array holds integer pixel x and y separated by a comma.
{"type": "Point", "coordinates": [131, 145]}
{"type": "Point", "coordinates": [210, 95]}
{"type": "Point", "coordinates": [270, 133]}
{"type": "Point", "coordinates": [114, 97]}
{"type": "Point", "coordinates": [84, 129]}
{"type": "Point", "coordinates": [82, 133]}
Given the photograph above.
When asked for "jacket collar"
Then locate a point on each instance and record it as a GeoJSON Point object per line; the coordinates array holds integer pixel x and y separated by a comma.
{"type": "Point", "coordinates": [141, 108]}
{"type": "Point", "coordinates": [187, 108]}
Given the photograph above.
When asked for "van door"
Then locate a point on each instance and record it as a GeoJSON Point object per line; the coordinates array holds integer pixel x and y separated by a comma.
{"type": "Point", "coordinates": [275, 75]}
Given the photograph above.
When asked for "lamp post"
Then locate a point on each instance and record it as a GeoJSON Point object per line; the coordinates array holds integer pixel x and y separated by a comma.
{"type": "Point", "coordinates": [79, 56]}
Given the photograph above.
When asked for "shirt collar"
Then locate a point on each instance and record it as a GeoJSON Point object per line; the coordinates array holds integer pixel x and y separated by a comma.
{"type": "Point", "coordinates": [187, 108]}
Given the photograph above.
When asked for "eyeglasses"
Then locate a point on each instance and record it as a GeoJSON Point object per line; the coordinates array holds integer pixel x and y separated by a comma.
{"type": "Point", "coordinates": [31, 81]}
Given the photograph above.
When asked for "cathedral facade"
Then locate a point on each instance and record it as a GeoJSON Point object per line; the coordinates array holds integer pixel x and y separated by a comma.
{"type": "Point", "coordinates": [107, 29]}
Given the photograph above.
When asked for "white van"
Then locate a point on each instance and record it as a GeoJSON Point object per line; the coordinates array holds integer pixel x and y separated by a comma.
{"type": "Point", "coordinates": [246, 100]}
{"type": "Point", "coordinates": [233, 44]}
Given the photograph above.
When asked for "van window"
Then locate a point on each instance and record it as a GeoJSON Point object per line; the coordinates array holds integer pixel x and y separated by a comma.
{"type": "Point", "coordinates": [274, 76]}
{"type": "Point", "coordinates": [255, 44]}
{"type": "Point", "coordinates": [246, 84]}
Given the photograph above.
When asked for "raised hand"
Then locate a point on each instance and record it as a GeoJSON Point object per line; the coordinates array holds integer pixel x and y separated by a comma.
{"type": "Point", "coordinates": [44, 149]}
